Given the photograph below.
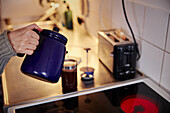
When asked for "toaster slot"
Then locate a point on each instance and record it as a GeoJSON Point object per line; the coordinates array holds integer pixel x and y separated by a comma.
{"type": "Point", "coordinates": [112, 37]}
{"type": "Point", "coordinates": [116, 37]}
{"type": "Point", "coordinates": [120, 35]}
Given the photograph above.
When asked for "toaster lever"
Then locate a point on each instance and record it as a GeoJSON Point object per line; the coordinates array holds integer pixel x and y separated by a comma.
{"type": "Point", "coordinates": [112, 54]}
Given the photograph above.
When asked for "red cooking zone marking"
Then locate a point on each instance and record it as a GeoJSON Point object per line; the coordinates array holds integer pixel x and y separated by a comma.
{"type": "Point", "coordinates": [139, 104]}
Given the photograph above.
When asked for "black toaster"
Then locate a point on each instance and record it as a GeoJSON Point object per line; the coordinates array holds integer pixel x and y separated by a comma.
{"type": "Point", "coordinates": [117, 54]}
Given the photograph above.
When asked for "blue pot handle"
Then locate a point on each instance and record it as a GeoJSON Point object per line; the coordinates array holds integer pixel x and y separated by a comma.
{"type": "Point", "coordinates": [40, 41]}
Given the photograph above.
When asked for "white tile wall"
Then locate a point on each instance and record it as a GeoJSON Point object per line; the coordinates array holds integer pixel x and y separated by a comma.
{"type": "Point", "coordinates": [117, 14]}
{"type": "Point", "coordinates": [105, 17]}
{"type": "Point", "coordinates": [92, 24]}
{"type": "Point", "coordinates": [135, 14]}
{"type": "Point", "coordinates": [165, 79]}
{"type": "Point", "coordinates": [160, 4]}
{"type": "Point", "coordinates": [155, 26]}
{"type": "Point", "coordinates": [151, 61]}
{"type": "Point", "coordinates": [168, 39]}
{"type": "Point", "coordinates": [106, 9]}
{"type": "Point", "coordinates": [95, 5]}
{"type": "Point", "coordinates": [106, 24]}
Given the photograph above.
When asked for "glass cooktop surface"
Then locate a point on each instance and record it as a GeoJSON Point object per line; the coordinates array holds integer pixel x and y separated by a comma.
{"type": "Point", "coordinates": [135, 98]}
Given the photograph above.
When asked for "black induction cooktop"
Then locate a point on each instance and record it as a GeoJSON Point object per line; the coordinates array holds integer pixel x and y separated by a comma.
{"type": "Point", "coordinates": [135, 98]}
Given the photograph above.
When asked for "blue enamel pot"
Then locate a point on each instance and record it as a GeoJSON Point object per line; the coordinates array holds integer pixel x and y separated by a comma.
{"type": "Point", "coordinates": [46, 62]}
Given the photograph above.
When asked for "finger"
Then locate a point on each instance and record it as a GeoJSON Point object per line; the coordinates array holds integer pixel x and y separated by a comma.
{"type": "Point", "coordinates": [34, 26]}
{"type": "Point", "coordinates": [31, 34]}
{"type": "Point", "coordinates": [33, 41]}
{"type": "Point", "coordinates": [35, 35]}
{"type": "Point", "coordinates": [29, 52]}
{"type": "Point", "coordinates": [29, 46]}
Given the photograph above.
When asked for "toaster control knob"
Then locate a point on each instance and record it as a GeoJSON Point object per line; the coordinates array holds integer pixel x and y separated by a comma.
{"type": "Point", "coordinates": [121, 73]}
{"type": "Point", "coordinates": [127, 72]}
{"type": "Point", "coordinates": [127, 65]}
{"type": "Point", "coordinates": [132, 71]}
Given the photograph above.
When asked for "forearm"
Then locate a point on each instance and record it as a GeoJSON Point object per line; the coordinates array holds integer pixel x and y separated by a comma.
{"type": "Point", "coordinates": [6, 51]}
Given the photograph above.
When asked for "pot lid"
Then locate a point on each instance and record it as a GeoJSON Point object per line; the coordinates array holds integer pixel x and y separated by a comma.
{"type": "Point", "coordinates": [54, 35]}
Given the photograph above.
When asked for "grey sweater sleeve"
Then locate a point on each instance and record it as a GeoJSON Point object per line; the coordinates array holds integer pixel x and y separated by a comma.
{"type": "Point", "coordinates": [6, 51]}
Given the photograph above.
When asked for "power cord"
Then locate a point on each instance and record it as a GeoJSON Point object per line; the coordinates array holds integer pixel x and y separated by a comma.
{"type": "Point", "coordinates": [133, 36]}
